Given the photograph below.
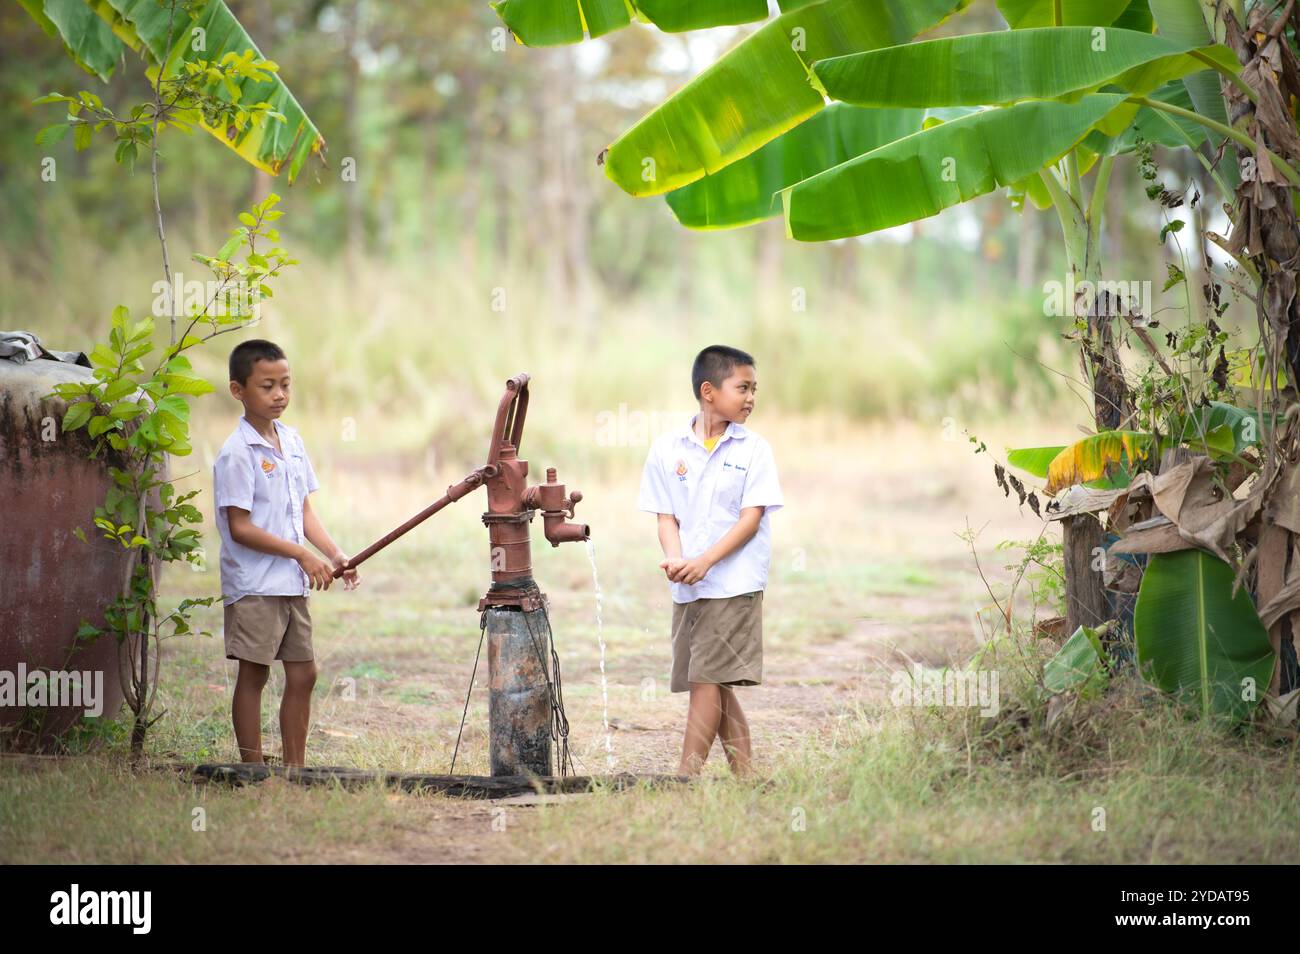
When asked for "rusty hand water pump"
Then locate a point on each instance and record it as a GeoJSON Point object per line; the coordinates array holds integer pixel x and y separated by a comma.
{"type": "Point", "coordinates": [526, 709]}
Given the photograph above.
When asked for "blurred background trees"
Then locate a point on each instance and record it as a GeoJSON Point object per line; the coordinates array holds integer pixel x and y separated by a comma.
{"type": "Point", "coordinates": [476, 198]}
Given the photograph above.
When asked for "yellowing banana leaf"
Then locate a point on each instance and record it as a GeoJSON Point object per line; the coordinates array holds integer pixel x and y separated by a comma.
{"type": "Point", "coordinates": [269, 145]}
{"type": "Point", "coordinates": [1038, 460]}
{"type": "Point", "coordinates": [1012, 65]}
{"type": "Point", "coordinates": [757, 90]}
{"type": "Point", "coordinates": [1098, 456]}
{"type": "Point", "coordinates": [98, 40]}
{"type": "Point", "coordinates": [556, 22]}
{"type": "Point", "coordinates": [1021, 14]}
{"type": "Point", "coordinates": [928, 171]}
{"type": "Point", "coordinates": [745, 191]}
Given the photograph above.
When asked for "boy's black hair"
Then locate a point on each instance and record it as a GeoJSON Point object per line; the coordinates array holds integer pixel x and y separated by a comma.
{"type": "Point", "coordinates": [248, 353]}
{"type": "Point", "coordinates": [714, 364]}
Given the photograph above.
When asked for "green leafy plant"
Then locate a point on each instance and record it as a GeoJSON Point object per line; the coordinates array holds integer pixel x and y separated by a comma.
{"type": "Point", "coordinates": [137, 414]}
{"type": "Point", "coordinates": [1041, 565]}
{"type": "Point", "coordinates": [182, 102]}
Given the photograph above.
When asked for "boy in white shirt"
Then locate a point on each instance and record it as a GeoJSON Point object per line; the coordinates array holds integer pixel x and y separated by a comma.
{"type": "Point", "coordinates": [714, 485]}
{"type": "Point", "coordinates": [261, 480]}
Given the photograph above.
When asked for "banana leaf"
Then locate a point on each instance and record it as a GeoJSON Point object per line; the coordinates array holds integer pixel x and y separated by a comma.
{"type": "Point", "coordinates": [1012, 65]}
{"type": "Point", "coordinates": [97, 38]}
{"type": "Point", "coordinates": [1245, 370]}
{"type": "Point", "coordinates": [1078, 665]}
{"type": "Point", "coordinates": [1126, 14]}
{"type": "Point", "coordinates": [1105, 461]}
{"type": "Point", "coordinates": [1136, 17]}
{"type": "Point", "coordinates": [1198, 642]}
{"type": "Point", "coordinates": [555, 22]}
{"type": "Point", "coordinates": [1103, 455]}
{"type": "Point", "coordinates": [1034, 460]}
{"type": "Point", "coordinates": [929, 171]}
{"type": "Point", "coordinates": [935, 115]}
{"type": "Point", "coordinates": [1224, 427]}
{"type": "Point", "coordinates": [86, 38]}
{"type": "Point", "coordinates": [757, 90]}
{"type": "Point", "coordinates": [1154, 126]}
{"type": "Point", "coordinates": [745, 191]}
{"type": "Point", "coordinates": [1182, 20]}
{"type": "Point", "coordinates": [1021, 14]}
{"type": "Point", "coordinates": [1037, 461]}
{"type": "Point", "coordinates": [1031, 187]}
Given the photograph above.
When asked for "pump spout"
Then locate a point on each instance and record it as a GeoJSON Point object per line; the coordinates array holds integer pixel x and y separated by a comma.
{"type": "Point", "coordinates": [558, 530]}
{"type": "Point", "coordinates": [549, 498]}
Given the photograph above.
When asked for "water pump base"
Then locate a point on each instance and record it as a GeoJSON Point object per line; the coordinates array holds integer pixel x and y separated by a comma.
{"type": "Point", "coordinates": [519, 706]}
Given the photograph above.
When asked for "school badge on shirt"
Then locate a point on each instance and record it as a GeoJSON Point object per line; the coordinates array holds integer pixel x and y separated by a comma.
{"type": "Point", "coordinates": [268, 467]}
{"type": "Point", "coordinates": [681, 469]}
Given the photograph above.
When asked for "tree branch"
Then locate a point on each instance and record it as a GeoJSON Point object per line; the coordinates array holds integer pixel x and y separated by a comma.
{"type": "Point", "coordinates": [153, 149]}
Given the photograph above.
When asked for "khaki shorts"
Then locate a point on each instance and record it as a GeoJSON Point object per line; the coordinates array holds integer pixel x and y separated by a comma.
{"type": "Point", "coordinates": [718, 641]}
{"type": "Point", "coordinates": [262, 629]}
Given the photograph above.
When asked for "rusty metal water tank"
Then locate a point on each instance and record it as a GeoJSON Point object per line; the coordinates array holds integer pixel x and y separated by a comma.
{"type": "Point", "coordinates": [49, 579]}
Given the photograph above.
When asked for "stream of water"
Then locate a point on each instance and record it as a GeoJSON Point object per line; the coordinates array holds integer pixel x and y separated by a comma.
{"type": "Point", "coordinates": [600, 638]}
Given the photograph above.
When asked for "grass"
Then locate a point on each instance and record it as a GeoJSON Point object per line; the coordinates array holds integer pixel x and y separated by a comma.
{"type": "Point", "coordinates": [1128, 780]}
{"type": "Point", "coordinates": [94, 810]}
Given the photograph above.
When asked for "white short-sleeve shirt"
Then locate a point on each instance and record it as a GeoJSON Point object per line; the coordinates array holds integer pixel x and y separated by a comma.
{"type": "Point", "coordinates": [251, 474]}
{"type": "Point", "coordinates": [706, 492]}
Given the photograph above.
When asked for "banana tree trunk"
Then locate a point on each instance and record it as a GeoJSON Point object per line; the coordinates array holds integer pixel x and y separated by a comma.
{"type": "Point", "coordinates": [1085, 599]}
{"type": "Point", "coordinates": [1265, 233]}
